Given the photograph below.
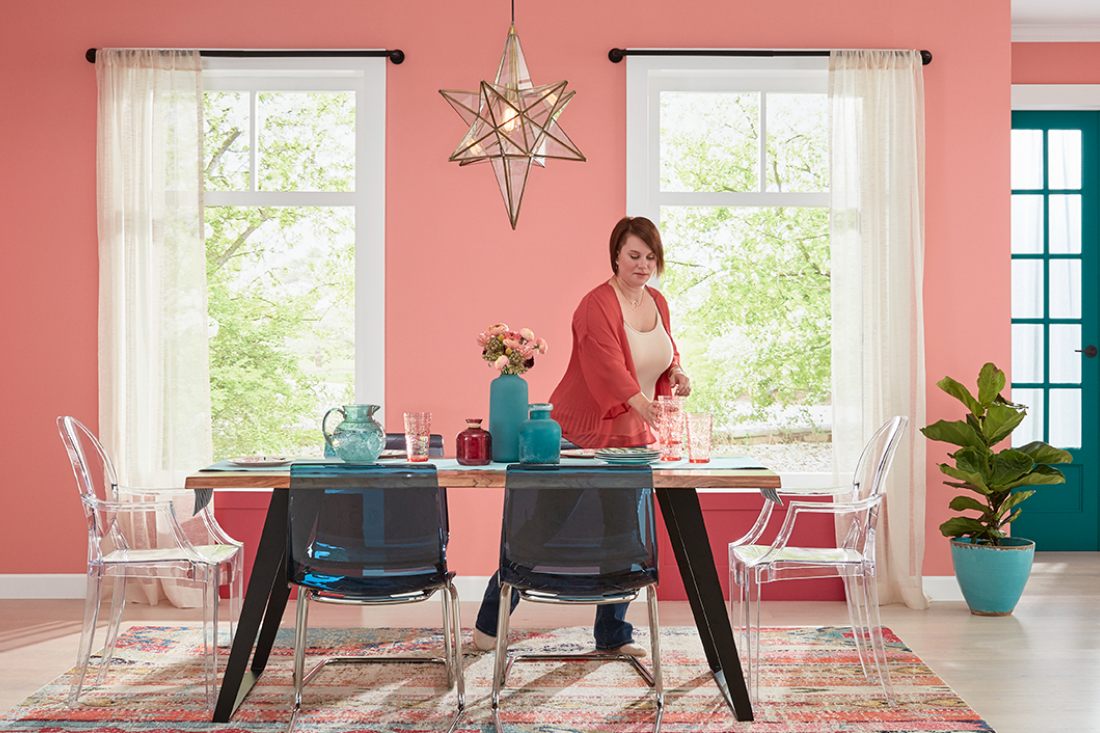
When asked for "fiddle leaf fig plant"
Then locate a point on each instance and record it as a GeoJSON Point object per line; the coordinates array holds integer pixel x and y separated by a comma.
{"type": "Point", "coordinates": [994, 477]}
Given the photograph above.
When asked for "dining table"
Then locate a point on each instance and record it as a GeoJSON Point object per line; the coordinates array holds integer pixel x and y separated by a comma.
{"type": "Point", "coordinates": [676, 485]}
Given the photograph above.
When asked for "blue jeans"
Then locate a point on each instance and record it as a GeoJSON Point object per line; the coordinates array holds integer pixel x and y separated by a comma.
{"type": "Point", "coordinates": [610, 628]}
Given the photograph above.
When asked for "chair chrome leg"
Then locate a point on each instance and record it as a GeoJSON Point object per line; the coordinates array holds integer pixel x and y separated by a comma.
{"type": "Point", "coordinates": [456, 650]}
{"type": "Point", "coordinates": [500, 667]}
{"type": "Point", "coordinates": [655, 642]}
{"type": "Point", "coordinates": [301, 629]}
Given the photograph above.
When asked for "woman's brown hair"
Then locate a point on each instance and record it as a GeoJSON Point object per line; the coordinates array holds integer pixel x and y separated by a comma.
{"type": "Point", "coordinates": [644, 230]}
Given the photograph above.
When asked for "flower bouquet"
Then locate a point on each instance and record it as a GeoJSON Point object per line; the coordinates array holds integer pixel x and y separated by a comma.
{"type": "Point", "coordinates": [511, 352]}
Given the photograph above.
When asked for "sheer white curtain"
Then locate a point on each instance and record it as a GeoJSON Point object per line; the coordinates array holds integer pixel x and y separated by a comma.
{"type": "Point", "coordinates": [877, 240]}
{"type": "Point", "coordinates": [154, 386]}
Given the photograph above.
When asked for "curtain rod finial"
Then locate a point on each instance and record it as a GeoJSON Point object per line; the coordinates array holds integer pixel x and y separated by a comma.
{"type": "Point", "coordinates": [616, 55]}
{"type": "Point", "coordinates": [90, 55]}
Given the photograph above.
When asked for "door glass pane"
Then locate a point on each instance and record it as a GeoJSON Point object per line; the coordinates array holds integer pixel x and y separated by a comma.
{"type": "Point", "coordinates": [1065, 363]}
{"type": "Point", "coordinates": [1027, 352]}
{"type": "Point", "coordinates": [226, 158]}
{"type": "Point", "coordinates": [306, 141]}
{"type": "Point", "coordinates": [1065, 418]}
{"type": "Point", "coordinates": [1027, 159]}
{"type": "Point", "coordinates": [1065, 224]}
{"type": "Point", "coordinates": [1065, 289]}
{"type": "Point", "coordinates": [710, 141]}
{"type": "Point", "coordinates": [1065, 159]}
{"type": "Point", "coordinates": [1027, 224]}
{"type": "Point", "coordinates": [1032, 426]}
{"type": "Point", "coordinates": [798, 154]}
{"type": "Point", "coordinates": [1027, 289]}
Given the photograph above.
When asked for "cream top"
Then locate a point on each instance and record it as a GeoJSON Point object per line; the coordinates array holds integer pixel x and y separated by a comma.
{"type": "Point", "coordinates": [652, 354]}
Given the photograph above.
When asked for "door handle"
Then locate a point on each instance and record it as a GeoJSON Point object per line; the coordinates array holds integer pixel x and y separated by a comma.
{"type": "Point", "coordinates": [1089, 351]}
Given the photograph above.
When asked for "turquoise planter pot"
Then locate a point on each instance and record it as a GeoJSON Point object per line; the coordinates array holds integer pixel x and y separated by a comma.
{"type": "Point", "coordinates": [507, 412]}
{"type": "Point", "coordinates": [992, 579]}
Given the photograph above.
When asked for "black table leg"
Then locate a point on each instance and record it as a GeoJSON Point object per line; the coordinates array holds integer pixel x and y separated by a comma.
{"type": "Point", "coordinates": [261, 612]}
{"type": "Point", "coordinates": [684, 521]}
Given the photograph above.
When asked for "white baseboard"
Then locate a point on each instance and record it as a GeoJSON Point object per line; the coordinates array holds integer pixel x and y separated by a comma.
{"type": "Point", "coordinates": [52, 585]}
{"type": "Point", "coordinates": [942, 588]}
{"type": "Point", "coordinates": [470, 587]}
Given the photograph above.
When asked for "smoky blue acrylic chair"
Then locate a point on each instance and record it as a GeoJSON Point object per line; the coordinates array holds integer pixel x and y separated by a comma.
{"type": "Point", "coordinates": [578, 536]}
{"type": "Point", "coordinates": [370, 535]}
{"type": "Point", "coordinates": [753, 563]}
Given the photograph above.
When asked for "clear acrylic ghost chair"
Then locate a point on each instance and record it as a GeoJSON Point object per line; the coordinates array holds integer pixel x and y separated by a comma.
{"type": "Point", "coordinates": [112, 512]}
{"type": "Point", "coordinates": [753, 564]}
{"type": "Point", "coordinates": [578, 536]}
{"type": "Point", "coordinates": [370, 535]}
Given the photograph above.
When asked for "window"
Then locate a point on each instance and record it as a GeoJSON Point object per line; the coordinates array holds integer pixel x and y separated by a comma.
{"type": "Point", "coordinates": [293, 207]}
{"type": "Point", "coordinates": [730, 157]}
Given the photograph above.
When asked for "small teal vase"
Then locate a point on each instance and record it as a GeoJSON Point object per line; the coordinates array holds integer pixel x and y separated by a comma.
{"type": "Point", "coordinates": [992, 579]}
{"type": "Point", "coordinates": [359, 438]}
{"type": "Point", "coordinates": [507, 411]}
{"type": "Point", "coordinates": [540, 436]}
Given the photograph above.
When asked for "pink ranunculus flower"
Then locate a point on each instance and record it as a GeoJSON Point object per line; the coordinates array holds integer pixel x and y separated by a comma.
{"type": "Point", "coordinates": [510, 352]}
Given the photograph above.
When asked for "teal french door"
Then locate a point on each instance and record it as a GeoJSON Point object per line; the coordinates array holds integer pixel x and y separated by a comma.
{"type": "Point", "coordinates": [1056, 316]}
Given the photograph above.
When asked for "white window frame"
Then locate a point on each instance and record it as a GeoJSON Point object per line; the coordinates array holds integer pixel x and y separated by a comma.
{"type": "Point", "coordinates": [366, 76]}
{"type": "Point", "coordinates": [648, 76]}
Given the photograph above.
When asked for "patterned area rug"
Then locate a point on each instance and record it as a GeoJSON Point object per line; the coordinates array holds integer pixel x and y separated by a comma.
{"type": "Point", "coordinates": [811, 681]}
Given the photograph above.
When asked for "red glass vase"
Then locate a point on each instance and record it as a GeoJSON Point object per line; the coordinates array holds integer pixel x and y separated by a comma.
{"type": "Point", "coordinates": [474, 446]}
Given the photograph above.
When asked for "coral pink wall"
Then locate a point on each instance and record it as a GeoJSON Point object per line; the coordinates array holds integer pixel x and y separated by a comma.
{"type": "Point", "coordinates": [1056, 63]}
{"type": "Point", "coordinates": [453, 264]}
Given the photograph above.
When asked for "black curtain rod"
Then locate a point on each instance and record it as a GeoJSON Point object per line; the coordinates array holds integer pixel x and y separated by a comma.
{"type": "Point", "coordinates": [616, 54]}
{"type": "Point", "coordinates": [396, 56]}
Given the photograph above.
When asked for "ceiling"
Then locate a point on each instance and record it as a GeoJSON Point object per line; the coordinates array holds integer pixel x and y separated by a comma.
{"type": "Point", "coordinates": [1056, 20]}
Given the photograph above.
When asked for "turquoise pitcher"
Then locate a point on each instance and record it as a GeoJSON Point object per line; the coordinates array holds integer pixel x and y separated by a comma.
{"type": "Point", "coordinates": [358, 438]}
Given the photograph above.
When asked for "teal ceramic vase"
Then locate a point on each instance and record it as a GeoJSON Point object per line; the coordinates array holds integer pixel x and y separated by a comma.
{"type": "Point", "coordinates": [540, 436]}
{"type": "Point", "coordinates": [992, 579]}
{"type": "Point", "coordinates": [507, 411]}
{"type": "Point", "coordinates": [358, 438]}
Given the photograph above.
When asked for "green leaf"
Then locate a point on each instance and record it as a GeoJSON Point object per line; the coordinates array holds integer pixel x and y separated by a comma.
{"type": "Point", "coordinates": [955, 432]}
{"type": "Point", "coordinates": [1042, 474]}
{"type": "Point", "coordinates": [1016, 498]}
{"type": "Point", "coordinates": [1000, 421]}
{"type": "Point", "coordinates": [1008, 466]}
{"type": "Point", "coordinates": [991, 381]}
{"type": "Point", "coordinates": [975, 480]}
{"type": "Point", "coordinates": [959, 526]}
{"type": "Point", "coordinates": [962, 394]}
{"type": "Point", "coordinates": [962, 503]}
{"type": "Point", "coordinates": [1041, 452]}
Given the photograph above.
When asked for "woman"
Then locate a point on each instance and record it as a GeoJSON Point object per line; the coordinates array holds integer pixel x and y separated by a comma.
{"type": "Point", "coordinates": [623, 359]}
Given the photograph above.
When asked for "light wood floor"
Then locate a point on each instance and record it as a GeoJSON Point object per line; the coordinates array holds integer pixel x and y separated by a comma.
{"type": "Point", "coordinates": [1037, 671]}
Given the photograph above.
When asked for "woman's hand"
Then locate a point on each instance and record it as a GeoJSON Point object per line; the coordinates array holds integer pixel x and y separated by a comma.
{"type": "Point", "coordinates": [681, 384]}
{"type": "Point", "coordinates": [646, 408]}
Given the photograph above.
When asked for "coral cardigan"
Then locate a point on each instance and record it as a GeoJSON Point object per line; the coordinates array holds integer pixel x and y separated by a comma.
{"type": "Point", "coordinates": [601, 376]}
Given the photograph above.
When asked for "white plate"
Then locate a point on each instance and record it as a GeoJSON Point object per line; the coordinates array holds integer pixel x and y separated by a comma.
{"type": "Point", "coordinates": [261, 461]}
{"type": "Point", "coordinates": [578, 453]}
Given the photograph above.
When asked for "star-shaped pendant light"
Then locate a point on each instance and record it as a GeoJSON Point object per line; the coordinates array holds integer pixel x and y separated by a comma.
{"type": "Point", "coordinates": [513, 125]}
